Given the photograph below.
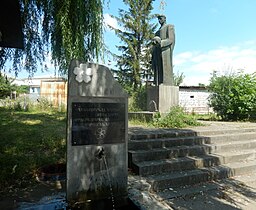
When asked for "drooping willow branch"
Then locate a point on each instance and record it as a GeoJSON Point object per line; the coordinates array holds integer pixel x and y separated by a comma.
{"type": "Point", "coordinates": [64, 29]}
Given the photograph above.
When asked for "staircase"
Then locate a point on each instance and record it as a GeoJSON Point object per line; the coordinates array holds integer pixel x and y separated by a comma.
{"type": "Point", "coordinates": [176, 158]}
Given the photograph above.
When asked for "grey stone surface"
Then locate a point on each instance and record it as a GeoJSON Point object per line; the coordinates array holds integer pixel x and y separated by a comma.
{"type": "Point", "coordinates": [161, 98]}
{"type": "Point", "coordinates": [237, 192]}
{"type": "Point", "coordinates": [96, 167]}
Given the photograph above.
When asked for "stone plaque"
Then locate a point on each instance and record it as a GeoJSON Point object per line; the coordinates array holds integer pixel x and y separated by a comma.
{"type": "Point", "coordinates": [98, 123]}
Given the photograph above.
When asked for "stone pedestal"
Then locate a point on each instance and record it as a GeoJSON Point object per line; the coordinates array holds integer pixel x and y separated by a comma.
{"type": "Point", "coordinates": [161, 98]}
{"type": "Point", "coordinates": [97, 135]}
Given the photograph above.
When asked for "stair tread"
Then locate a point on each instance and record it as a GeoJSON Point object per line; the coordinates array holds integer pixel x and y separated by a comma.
{"type": "Point", "coordinates": [240, 164]}
{"type": "Point", "coordinates": [225, 131]}
{"type": "Point", "coordinates": [235, 152]}
{"type": "Point", "coordinates": [246, 178]}
{"type": "Point", "coordinates": [168, 148]}
{"type": "Point", "coordinates": [231, 143]}
{"type": "Point", "coordinates": [167, 139]}
{"type": "Point", "coordinates": [173, 160]}
{"type": "Point", "coordinates": [228, 166]}
{"type": "Point", "coordinates": [164, 176]}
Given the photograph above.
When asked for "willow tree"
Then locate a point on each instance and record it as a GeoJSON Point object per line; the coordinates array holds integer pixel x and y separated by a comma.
{"type": "Point", "coordinates": [62, 29]}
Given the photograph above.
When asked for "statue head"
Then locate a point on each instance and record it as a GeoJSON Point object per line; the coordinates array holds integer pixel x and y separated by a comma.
{"type": "Point", "coordinates": [161, 19]}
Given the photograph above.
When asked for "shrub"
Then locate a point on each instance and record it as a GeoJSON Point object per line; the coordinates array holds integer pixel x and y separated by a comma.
{"type": "Point", "coordinates": [233, 96]}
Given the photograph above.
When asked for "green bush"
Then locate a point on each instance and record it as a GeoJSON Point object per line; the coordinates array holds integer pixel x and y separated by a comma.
{"type": "Point", "coordinates": [176, 118]}
{"type": "Point", "coordinates": [233, 96]}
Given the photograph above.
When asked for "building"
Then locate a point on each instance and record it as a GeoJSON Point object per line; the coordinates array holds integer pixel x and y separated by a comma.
{"type": "Point", "coordinates": [54, 89]}
{"type": "Point", "coordinates": [194, 99]}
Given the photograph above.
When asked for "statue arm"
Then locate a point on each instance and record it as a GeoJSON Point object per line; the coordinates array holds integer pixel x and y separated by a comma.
{"type": "Point", "coordinates": [156, 40]}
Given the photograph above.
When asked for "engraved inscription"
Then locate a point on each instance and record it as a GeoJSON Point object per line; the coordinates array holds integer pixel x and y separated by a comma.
{"type": "Point", "coordinates": [98, 123]}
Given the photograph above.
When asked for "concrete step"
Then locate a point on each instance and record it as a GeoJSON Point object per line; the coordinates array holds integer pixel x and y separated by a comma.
{"type": "Point", "coordinates": [160, 182]}
{"type": "Point", "coordinates": [236, 155]}
{"type": "Point", "coordinates": [230, 137]}
{"type": "Point", "coordinates": [166, 142]}
{"type": "Point", "coordinates": [160, 133]}
{"type": "Point", "coordinates": [190, 177]}
{"type": "Point", "coordinates": [191, 162]}
{"type": "Point", "coordinates": [166, 153]}
{"type": "Point", "coordinates": [237, 184]}
{"type": "Point", "coordinates": [243, 167]}
{"type": "Point", "coordinates": [187, 190]}
{"type": "Point", "coordinates": [172, 159]}
{"type": "Point", "coordinates": [215, 131]}
{"type": "Point", "coordinates": [177, 164]}
{"type": "Point", "coordinates": [230, 146]}
{"type": "Point", "coordinates": [248, 179]}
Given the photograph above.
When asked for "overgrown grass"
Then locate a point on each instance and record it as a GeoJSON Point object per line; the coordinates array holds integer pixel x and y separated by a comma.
{"type": "Point", "coordinates": [176, 118]}
{"type": "Point", "coordinates": [29, 140]}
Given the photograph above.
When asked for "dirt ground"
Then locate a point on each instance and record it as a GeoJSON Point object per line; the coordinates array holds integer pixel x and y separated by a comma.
{"type": "Point", "coordinates": [11, 197]}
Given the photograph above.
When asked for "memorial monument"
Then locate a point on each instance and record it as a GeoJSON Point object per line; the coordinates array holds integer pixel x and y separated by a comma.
{"type": "Point", "coordinates": [163, 45]}
{"type": "Point", "coordinates": [164, 94]}
{"type": "Point", "coordinates": [96, 138]}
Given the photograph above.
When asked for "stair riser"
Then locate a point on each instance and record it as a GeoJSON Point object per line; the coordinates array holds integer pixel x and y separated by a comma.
{"type": "Point", "coordinates": [199, 178]}
{"type": "Point", "coordinates": [176, 166]}
{"type": "Point", "coordinates": [229, 131]}
{"type": "Point", "coordinates": [244, 170]}
{"type": "Point", "coordinates": [168, 154]}
{"type": "Point", "coordinates": [232, 138]}
{"type": "Point", "coordinates": [191, 180]}
{"type": "Point", "coordinates": [232, 147]}
{"type": "Point", "coordinates": [162, 135]}
{"type": "Point", "coordinates": [147, 145]}
{"type": "Point", "coordinates": [238, 158]}
{"type": "Point", "coordinates": [191, 164]}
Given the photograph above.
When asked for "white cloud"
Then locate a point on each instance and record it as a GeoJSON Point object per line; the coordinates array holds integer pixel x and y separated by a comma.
{"type": "Point", "coordinates": [198, 66]}
{"type": "Point", "coordinates": [109, 21]}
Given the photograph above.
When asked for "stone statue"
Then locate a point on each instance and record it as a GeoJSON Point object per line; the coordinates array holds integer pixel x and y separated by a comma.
{"type": "Point", "coordinates": [163, 45]}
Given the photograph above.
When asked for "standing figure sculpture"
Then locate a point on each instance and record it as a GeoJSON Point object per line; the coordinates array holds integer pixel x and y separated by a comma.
{"type": "Point", "coordinates": [163, 45]}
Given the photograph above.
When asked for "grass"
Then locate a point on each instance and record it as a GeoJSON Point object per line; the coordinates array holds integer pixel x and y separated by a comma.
{"type": "Point", "coordinates": [29, 140]}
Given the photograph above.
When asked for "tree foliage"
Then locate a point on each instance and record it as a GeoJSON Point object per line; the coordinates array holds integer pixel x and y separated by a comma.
{"type": "Point", "coordinates": [233, 96]}
{"type": "Point", "coordinates": [64, 29]}
{"type": "Point", "coordinates": [135, 36]}
{"type": "Point", "coordinates": [7, 87]}
{"type": "Point", "coordinates": [178, 78]}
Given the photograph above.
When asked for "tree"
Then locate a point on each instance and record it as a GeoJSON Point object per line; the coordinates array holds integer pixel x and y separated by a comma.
{"type": "Point", "coordinates": [233, 96]}
{"type": "Point", "coordinates": [64, 29]}
{"type": "Point", "coordinates": [6, 87]}
{"type": "Point", "coordinates": [136, 34]}
{"type": "Point", "coordinates": [178, 78]}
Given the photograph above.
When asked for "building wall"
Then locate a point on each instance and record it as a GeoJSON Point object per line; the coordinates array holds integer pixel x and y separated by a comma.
{"type": "Point", "coordinates": [194, 100]}
{"type": "Point", "coordinates": [54, 91]}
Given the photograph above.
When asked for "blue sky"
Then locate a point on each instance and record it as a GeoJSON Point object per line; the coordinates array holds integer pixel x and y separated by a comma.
{"type": "Point", "coordinates": [210, 35]}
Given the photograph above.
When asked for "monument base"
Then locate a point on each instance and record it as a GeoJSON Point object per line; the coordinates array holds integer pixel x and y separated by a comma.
{"type": "Point", "coordinates": [161, 98]}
